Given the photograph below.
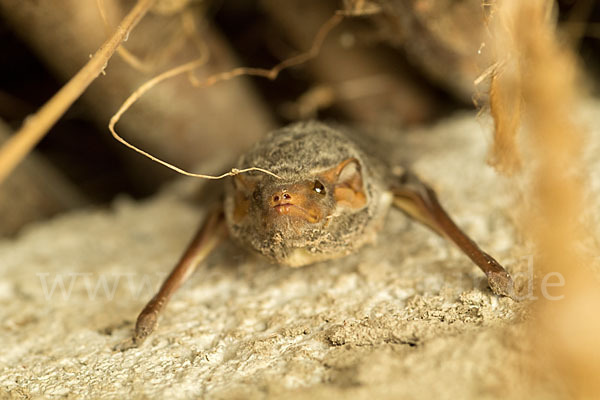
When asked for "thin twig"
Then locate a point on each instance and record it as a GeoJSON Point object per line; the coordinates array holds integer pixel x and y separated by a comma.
{"type": "Point", "coordinates": [140, 92]}
{"type": "Point", "coordinates": [130, 58]}
{"type": "Point", "coordinates": [36, 126]}
{"type": "Point", "coordinates": [290, 62]}
{"type": "Point", "coordinates": [192, 65]}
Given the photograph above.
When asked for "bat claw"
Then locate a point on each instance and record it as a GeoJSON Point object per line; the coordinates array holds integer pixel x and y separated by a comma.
{"type": "Point", "coordinates": [145, 325]}
{"type": "Point", "coordinates": [502, 284]}
{"type": "Point", "coordinates": [125, 345]}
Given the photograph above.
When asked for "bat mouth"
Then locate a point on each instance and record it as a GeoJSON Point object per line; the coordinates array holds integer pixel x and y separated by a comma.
{"type": "Point", "coordinates": [293, 210]}
{"type": "Point", "coordinates": [284, 208]}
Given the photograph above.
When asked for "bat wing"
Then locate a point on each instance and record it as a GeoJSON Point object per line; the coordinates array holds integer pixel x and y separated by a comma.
{"type": "Point", "coordinates": [419, 200]}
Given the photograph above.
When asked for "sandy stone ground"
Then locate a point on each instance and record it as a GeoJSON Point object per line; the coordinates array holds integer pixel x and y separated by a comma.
{"type": "Point", "coordinates": [409, 317]}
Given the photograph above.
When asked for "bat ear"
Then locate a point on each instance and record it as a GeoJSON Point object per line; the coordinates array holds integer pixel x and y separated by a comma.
{"type": "Point", "coordinates": [245, 182]}
{"type": "Point", "coordinates": [348, 185]}
{"type": "Point", "coordinates": [245, 185]}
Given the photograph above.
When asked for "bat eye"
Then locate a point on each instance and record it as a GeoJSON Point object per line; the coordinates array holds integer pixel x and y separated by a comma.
{"type": "Point", "coordinates": [319, 188]}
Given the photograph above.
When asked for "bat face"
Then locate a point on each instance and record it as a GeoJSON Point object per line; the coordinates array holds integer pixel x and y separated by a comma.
{"type": "Point", "coordinates": [288, 205]}
{"type": "Point", "coordinates": [286, 210]}
{"type": "Point", "coordinates": [321, 208]}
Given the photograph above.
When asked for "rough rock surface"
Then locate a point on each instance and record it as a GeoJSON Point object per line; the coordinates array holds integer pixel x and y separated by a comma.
{"type": "Point", "coordinates": [409, 317]}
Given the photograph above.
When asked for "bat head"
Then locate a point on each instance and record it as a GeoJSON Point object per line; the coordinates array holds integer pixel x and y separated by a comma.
{"type": "Point", "coordinates": [312, 212]}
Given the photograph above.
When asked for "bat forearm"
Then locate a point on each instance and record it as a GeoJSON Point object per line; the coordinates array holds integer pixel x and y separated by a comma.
{"type": "Point", "coordinates": [420, 201]}
{"type": "Point", "coordinates": [206, 239]}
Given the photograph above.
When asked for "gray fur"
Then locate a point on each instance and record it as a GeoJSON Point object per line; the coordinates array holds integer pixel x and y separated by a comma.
{"type": "Point", "coordinates": [297, 153]}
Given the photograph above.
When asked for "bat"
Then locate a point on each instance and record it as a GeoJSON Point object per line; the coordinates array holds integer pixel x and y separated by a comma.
{"type": "Point", "coordinates": [330, 198]}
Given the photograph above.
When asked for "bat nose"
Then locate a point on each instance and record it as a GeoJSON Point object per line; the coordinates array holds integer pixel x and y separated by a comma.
{"type": "Point", "coordinates": [281, 197]}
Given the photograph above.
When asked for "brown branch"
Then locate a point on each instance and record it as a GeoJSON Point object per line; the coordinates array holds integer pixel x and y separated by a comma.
{"type": "Point", "coordinates": [36, 126]}
{"type": "Point", "coordinates": [130, 58]}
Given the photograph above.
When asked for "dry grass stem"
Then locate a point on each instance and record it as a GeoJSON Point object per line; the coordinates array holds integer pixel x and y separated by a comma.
{"type": "Point", "coordinates": [505, 107]}
{"type": "Point", "coordinates": [544, 82]}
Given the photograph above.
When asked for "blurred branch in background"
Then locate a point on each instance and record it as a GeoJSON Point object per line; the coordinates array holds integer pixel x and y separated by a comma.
{"type": "Point", "coordinates": [175, 121]}
{"type": "Point", "coordinates": [346, 57]}
{"type": "Point", "coordinates": [35, 190]}
{"type": "Point", "coordinates": [37, 125]}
